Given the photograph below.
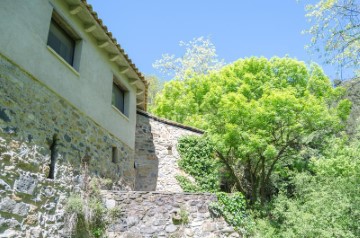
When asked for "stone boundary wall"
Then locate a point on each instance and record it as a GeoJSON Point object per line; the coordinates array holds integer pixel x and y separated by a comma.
{"type": "Point", "coordinates": [156, 214]}
{"type": "Point", "coordinates": [31, 112]}
{"type": "Point", "coordinates": [156, 152]}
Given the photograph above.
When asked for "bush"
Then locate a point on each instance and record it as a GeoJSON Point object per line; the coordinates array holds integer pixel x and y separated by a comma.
{"type": "Point", "coordinates": [233, 208]}
{"type": "Point", "coordinates": [326, 203]}
{"type": "Point", "coordinates": [74, 204]}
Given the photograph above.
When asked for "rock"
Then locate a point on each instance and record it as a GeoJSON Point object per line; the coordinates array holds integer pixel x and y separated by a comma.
{"type": "Point", "coordinates": [10, 206]}
{"type": "Point", "coordinates": [31, 219]}
{"type": "Point", "coordinates": [110, 203]}
{"type": "Point", "coordinates": [227, 230]}
{"type": "Point", "coordinates": [36, 232]}
{"type": "Point", "coordinates": [234, 235]}
{"type": "Point", "coordinates": [209, 226]}
{"type": "Point", "coordinates": [10, 223]}
{"type": "Point", "coordinates": [7, 205]}
{"type": "Point", "coordinates": [132, 235]}
{"type": "Point", "coordinates": [189, 233]}
{"type": "Point", "coordinates": [10, 234]}
{"type": "Point", "coordinates": [21, 209]}
{"type": "Point", "coordinates": [26, 184]}
{"type": "Point", "coordinates": [170, 228]}
{"type": "Point", "coordinates": [4, 185]}
{"type": "Point", "coordinates": [48, 192]}
{"type": "Point", "coordinates": [132, 221]}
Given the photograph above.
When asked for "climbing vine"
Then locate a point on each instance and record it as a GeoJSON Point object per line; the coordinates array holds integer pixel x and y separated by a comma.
{"type": "Point", "coordinates": [198, 161]}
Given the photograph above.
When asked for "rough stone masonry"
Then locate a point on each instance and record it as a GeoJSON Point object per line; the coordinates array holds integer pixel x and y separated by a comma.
{"type": "Point", "coordinates": [36, 126]}
{"type": "Point", "coordinates": [158, 214]}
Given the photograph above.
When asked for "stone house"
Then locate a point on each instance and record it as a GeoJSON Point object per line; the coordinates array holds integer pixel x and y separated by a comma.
{"type": "Point", "coordinates": [72, 101]}
{"type": "Point", "coordinates": [67, 84]}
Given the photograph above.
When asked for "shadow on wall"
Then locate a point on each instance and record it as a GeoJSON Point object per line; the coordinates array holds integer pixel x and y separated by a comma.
{"type": "Point", "coordinates": [146, 162]}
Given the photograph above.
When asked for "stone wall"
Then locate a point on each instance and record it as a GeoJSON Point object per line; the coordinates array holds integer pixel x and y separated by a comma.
{"type": "Point", "coordinates": [156, 154]}
{"type": "Point", "coordinates": [157, 214]}
{"type": "Point", "coordinates": [31, 205]}
{"type": "Point", "coordinates": [31, 112]}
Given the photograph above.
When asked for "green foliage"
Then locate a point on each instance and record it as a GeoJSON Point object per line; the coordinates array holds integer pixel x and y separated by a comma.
{"type": "Point", "coordinates": [324, 204]}
{"type": "Point", "coordinates": [181, 218]}
{"type": "Point", "coordinates": [197, 159]}
{"type": "Point", "coordinates": [187, 185]}
{"type": "Point", "coordinates": [260, 115]}
{"type": "Point", "coordinates": [86, 212]}
{"type": "Point", "coordinates": [233, 208]}
{"type": "Point", "coordinates": [336, 31]}
{"type": "Point", "coordinates": [155, 86]}
{"type": "Point", "coordinates": [74, 204]}
{"type": "Point", "coordinates": [115, 213]}
{"type": "Point", "coordinates": [97, 221]}
{"type": "Point", "coordinates": [184, 215]}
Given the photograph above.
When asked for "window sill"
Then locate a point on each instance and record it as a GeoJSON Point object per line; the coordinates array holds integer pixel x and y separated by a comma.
{"type": "Point", "coordinates": [63, 61]}
{"type": "Point", "coordinates": [119, 112]}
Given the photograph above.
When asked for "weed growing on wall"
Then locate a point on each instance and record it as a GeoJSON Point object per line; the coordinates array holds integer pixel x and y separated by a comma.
{"type": "Point", "coordinates": [86, 213]}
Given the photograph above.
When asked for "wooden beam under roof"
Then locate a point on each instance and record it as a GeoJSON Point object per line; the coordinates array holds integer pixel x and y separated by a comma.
{"type": "Point", "coordinates": [75, 9]}
{"type": "Point", "coordinates": [133, 81]}
{"type": "Point", "coordinates": [123, 69]}
{"type": "Point", "coordinates": [139, 103]}
{"type": "Point", "coordinates": [114, 57]}
{"type": "Point", "coordinates": [103, 44]}
{"type": "Point", "coordinates": [90, 27]}
{"type": "Point", "coordinates": [139, 92]}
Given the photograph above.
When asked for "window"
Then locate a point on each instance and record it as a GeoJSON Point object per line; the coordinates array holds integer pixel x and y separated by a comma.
{"type": "Point", "coordinates": [118, 98]}
{"type": "Point", "coordinates": [62, 39]}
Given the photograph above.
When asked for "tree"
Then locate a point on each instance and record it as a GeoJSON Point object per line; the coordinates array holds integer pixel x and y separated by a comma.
{"type": "Point", "coordinates": [260, 114]}
{"type": "Point", "coordinates": [155, 86]}
{"type": "Point", "coordinates": [326, 202]}
{"type": "Point", "coordinates": [200, 58]}
{"type": "Point", "coordinates": [336, 31]}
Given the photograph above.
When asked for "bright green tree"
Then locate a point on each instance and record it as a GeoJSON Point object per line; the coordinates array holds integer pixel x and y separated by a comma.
{"type": "Point", "coordinates": [260, 114]}
{"type": "Point", "coordinates": [336, 31]}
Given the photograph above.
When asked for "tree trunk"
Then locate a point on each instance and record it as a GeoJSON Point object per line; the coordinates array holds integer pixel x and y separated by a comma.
{"type": "Point", "coordinates": [232, 172]}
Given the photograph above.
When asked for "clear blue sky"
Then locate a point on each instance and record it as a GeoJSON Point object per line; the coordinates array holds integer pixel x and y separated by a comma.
{"type": "Point", "coordinates": [147, 29]}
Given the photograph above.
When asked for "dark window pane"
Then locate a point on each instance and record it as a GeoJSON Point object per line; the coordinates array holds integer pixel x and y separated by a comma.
{"type": "Point", "coordinates": [61, 42]}
{"type": "Point", "coordinates": [118, 98]}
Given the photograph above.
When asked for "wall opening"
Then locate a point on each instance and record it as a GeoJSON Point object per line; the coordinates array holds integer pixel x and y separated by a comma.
{"type": "Point", "coordinates": [114, 154]}
{"type": "Point", "coordinates": [169, 149]}
{"type": "Point", "coordinates": [53, 157]}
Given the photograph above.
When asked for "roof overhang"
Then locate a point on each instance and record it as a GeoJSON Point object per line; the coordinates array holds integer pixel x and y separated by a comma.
{"type": "Point", "coordinates": [94, 26]}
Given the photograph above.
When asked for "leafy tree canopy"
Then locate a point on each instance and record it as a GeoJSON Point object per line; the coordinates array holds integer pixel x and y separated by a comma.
{"type": "Point", "coordinates": [336, 31]}
{"type": "Point", "coordinates": [260, 114]}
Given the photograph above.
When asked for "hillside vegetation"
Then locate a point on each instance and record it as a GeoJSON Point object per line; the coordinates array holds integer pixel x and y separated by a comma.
{"type": "Point", "coordinates": [274, 134]}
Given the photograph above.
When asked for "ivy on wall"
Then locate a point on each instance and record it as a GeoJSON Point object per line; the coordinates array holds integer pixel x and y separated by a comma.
{"type": "Point", "coordinates": [197, 160]}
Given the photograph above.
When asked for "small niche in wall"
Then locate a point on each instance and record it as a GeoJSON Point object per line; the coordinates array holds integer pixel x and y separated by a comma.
{"type": "Point", "coordinates": [114, 154]}
{"type": "Point", "coordinates": [53, 157]}
{"type": "Point", "coordinates": [169, 149]}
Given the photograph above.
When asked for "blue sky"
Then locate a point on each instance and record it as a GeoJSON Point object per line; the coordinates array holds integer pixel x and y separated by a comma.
{"type": "Point", "coordinates": [238, 28]}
